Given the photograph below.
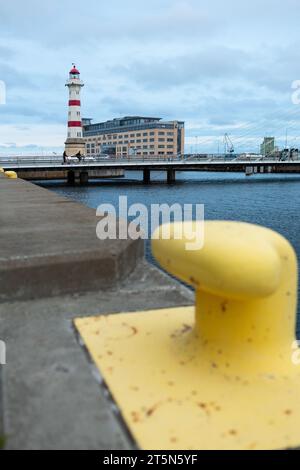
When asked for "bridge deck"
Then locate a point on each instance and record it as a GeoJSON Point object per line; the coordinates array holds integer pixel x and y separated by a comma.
{"type": "Point", "coordinates": [161, 165]}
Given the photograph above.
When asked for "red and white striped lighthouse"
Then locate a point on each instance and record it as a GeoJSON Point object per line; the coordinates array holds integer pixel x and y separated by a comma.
{"type": "Point", "coordinates": [74, 143]}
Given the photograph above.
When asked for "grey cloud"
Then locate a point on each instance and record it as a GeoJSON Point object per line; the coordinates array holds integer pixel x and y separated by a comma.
{"type": "Point", "coordinates": [14, 78]}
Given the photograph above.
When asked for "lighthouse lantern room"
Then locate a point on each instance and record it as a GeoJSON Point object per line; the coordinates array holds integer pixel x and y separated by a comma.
{"type": "Point", "coordinates": [74, 144]}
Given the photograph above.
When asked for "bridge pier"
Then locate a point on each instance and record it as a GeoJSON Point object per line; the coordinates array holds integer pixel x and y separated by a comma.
{"type": "Point", "coordinates": [71, 177]}
{"type": "Point", "coordinates": [146, 176]}
{"type": "Point", "coordinates": [171, 176]}
{"type": "Point", "coordinates": [84, 177]}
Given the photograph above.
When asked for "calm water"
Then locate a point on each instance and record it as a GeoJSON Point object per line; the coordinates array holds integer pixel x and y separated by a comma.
{"type": "Point", "coordinates": [270, 200]}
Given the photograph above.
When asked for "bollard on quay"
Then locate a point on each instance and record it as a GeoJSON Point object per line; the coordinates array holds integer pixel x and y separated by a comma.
{"type": "Point", "coordinates": [223, 374]}
{"type": "Point", "coordinates": [11, 174]}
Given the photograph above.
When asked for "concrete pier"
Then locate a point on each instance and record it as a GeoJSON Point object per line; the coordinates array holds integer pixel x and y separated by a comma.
{"type": "Point", "coordinates": [65, 172]}
{"type": "Point", "coordinates": [71, 177]}
{"type": "Point", "coordinates": [171, 176]}
{"type": "Point", "coordinates": [84, 177]}
{"type": "Point", "coordinates": [146, 176]}
{"type": "Point", "coordinates": [53, 268]}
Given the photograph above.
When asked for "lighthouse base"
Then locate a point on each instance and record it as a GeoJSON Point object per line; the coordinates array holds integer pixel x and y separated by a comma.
{"type": "Point", "coordinates": [74, 146]}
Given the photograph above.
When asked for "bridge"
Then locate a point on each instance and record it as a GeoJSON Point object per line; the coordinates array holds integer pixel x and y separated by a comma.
{"type": "Point", "coordinates": [41, 169]}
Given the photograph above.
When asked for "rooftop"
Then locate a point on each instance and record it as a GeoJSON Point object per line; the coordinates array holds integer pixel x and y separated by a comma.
{"type": "Point", "coordinates": [125, 123]}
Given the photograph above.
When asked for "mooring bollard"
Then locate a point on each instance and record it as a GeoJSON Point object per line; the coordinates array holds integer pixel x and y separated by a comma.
{"type": "Point", "coordinates": [11, 174]}
{"type": "Point", "coordinates": [224, 374]}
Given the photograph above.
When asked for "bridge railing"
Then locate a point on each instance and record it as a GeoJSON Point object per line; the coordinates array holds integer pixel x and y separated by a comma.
{"type": "Point", "coordinates": [21, 161]}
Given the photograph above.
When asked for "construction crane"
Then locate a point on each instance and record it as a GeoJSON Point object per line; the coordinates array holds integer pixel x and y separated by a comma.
{"type": "Point", "coordinates": [228, 145]}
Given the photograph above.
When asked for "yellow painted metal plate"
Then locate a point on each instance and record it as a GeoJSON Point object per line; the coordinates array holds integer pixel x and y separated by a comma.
{"type": "Point", "coordinates": [173, 397]}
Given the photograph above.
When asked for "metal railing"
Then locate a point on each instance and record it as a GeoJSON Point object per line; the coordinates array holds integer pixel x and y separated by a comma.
{"type": "Point", "coordinates": [22, 161]}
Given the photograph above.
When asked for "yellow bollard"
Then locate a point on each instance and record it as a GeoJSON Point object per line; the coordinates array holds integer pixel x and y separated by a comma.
{"type": "Point", "coordinates": [11, 174]}
{"type": "Point", "coordinates": [224, 374]}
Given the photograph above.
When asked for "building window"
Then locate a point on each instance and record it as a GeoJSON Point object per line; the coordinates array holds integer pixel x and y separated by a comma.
{"type": "Point", "coordinates": [161, 133]}
{"type": "Point", "coordinates": [161, 146]}
{"type": "Point", "coordinates": [169, 140]}
{"type": "Point", "coordinates": [145, 140]}
{"type": "Point", "coordinates": [161, 140]}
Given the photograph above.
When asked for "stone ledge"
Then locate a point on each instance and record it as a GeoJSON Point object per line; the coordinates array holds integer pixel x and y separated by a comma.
{"type": "Point", "coordinates": [48, 246]}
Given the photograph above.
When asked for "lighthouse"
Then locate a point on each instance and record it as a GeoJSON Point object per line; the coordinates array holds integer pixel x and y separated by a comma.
{"type": "Point", "coordinates": [74, 144]}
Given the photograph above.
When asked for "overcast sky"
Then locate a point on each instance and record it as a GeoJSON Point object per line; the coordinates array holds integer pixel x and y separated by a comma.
{"type": "Point", "coordinates": [221, 66]}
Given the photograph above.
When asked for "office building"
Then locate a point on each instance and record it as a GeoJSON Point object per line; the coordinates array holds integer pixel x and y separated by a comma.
{"type": "Point", "coordinates": [134, 136]}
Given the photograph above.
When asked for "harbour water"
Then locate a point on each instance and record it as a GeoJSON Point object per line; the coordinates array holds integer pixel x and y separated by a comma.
{"type": "Point", "coordinates": [269, 200]}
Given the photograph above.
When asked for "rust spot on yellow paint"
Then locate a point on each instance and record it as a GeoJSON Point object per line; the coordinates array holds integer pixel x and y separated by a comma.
{"type": "Point", "coordinates": [194, 281]}
{"type": "Point", "coordinates": [202, 405]}
{"type": "Point", "coordinates": [151, 410]}
{"type": "Point", "coordinates": [185, 329]}
{"type": "Point", "coordinates": [135, 416]}
{"type": "Point", "coordinates": [252, 446]}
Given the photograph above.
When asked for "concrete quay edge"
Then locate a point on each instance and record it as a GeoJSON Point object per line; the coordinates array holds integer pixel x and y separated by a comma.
{"type": "Point", "coordinates": [49, 398]}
